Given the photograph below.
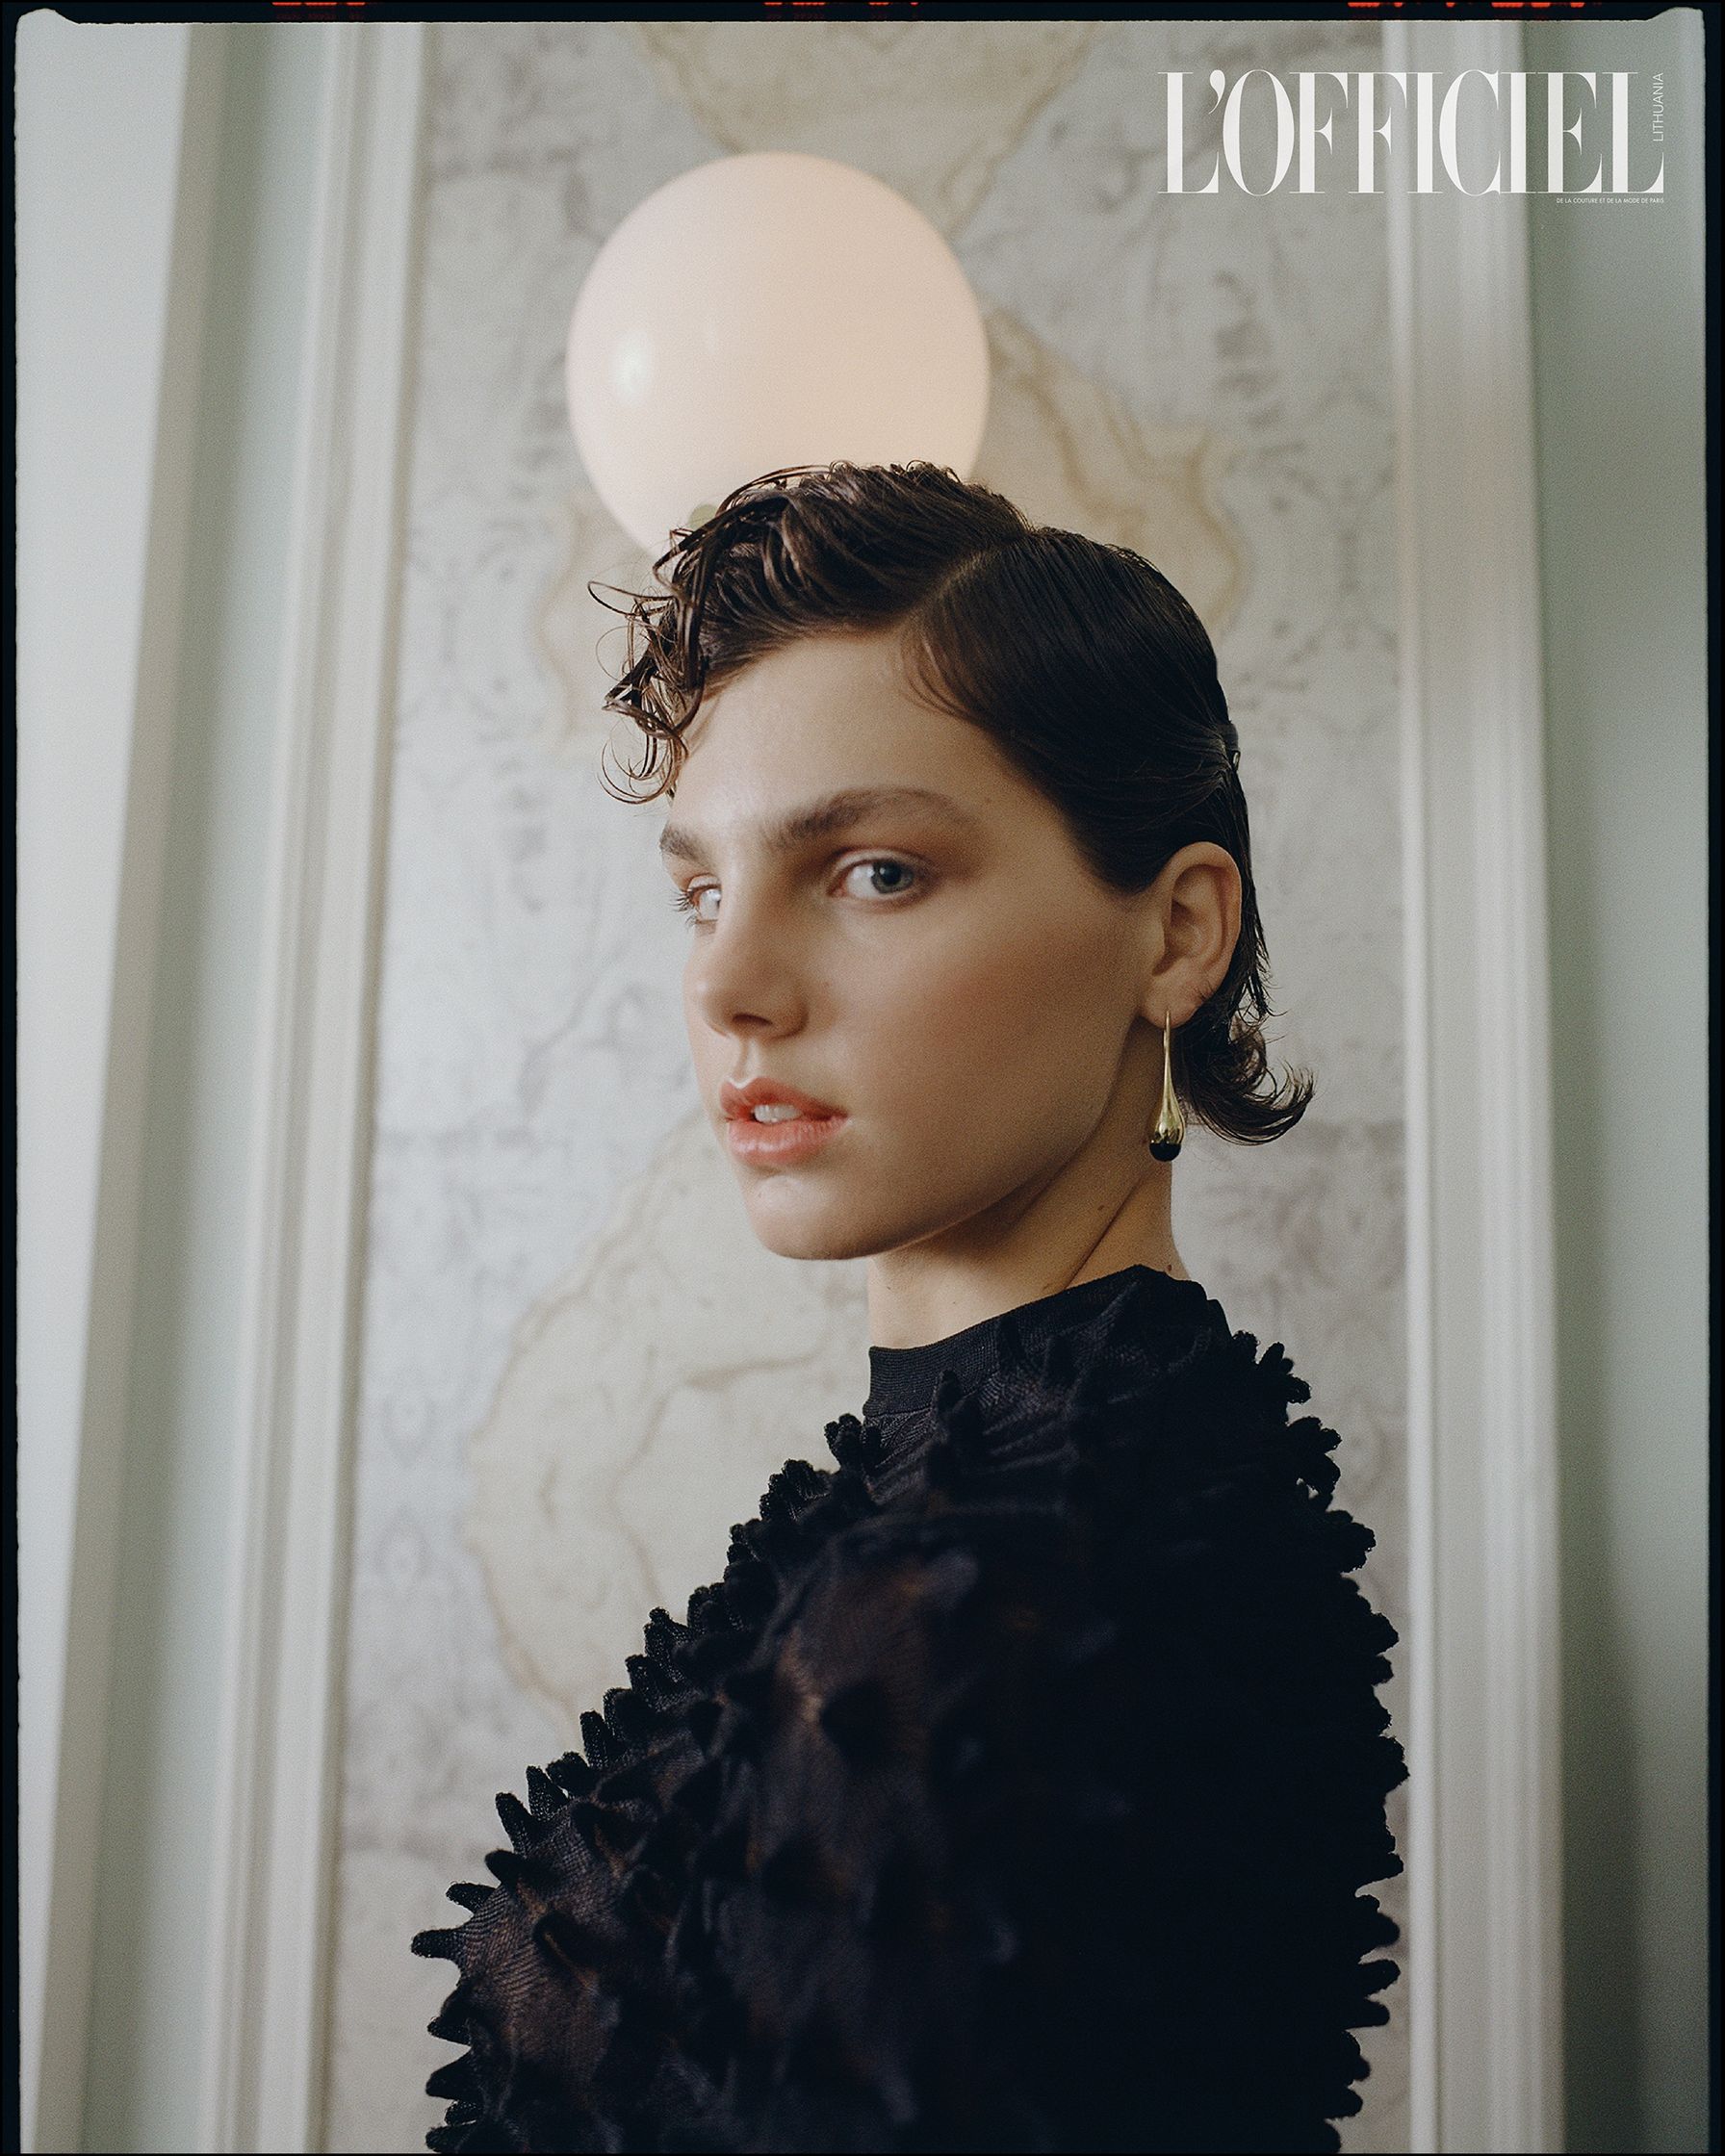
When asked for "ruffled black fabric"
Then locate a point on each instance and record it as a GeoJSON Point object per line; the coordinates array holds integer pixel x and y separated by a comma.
{"type": "Point", "coordinates": [1013, 1788]}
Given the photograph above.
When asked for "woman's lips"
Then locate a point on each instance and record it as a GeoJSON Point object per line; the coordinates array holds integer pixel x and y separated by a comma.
{"type": "Point", "coordinates": [780, 1145]}
{"type": "Point", "coordinates": [763, 1091]}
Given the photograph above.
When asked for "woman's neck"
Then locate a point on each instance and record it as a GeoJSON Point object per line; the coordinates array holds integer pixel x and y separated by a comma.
{"type": "Point", "coordinates": [1086, 1223]}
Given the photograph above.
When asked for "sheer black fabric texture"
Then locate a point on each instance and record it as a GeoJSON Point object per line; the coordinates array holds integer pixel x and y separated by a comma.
{"type": "Point", "coordinates": [1014, 1790]}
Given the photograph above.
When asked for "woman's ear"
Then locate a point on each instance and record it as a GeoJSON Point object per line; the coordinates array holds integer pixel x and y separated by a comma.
{"type": "Point", "coordinates": [1195, 907]}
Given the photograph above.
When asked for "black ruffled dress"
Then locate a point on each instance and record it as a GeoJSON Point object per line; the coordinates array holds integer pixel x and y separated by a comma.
{"type": "Point", "coordinates": [1014, 1790]}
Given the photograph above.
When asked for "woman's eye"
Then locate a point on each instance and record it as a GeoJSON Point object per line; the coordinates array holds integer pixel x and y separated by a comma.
{"type": "Point", "coordinates": [900, 875]}
{"type": "Point", "coordinates": [888, 879]}
{"type": "Point", "coordinates": [690, 902]}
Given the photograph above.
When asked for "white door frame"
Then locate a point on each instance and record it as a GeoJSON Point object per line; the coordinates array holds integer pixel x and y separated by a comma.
{"type": "Point", "coordinates": [276, 1800]}
{"type": "Point", "coordinates": [118, 132]}
{"type": "Point", "coordinates": [1485, 1864]}
{"type": "Point", "coordinates": [1482, 1957]}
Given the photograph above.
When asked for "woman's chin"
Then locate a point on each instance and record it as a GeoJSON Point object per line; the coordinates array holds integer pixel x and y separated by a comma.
{"type": "Point", "coordinates": [789, 1239]}
{"type": "Point", "coordinates": [798, 1223]}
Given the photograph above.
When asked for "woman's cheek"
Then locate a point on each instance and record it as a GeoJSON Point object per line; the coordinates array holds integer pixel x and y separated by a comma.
{"type": "Point", "coordinates": [943, 1020]}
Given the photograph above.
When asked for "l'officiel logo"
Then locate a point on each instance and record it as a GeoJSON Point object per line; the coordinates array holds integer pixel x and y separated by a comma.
{"type": "Point", "coordinates": [1455, 132]}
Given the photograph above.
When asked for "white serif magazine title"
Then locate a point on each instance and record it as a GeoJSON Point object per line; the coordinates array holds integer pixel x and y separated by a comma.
{"type": "Point", "coordinates": [1603, 132]}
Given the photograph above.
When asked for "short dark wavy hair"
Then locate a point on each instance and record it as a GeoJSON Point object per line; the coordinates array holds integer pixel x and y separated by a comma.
{"type": "Point", "coordinates": [1080, 661]}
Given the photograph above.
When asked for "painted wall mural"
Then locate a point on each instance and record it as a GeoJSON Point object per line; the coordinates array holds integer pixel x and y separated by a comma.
{"type": "Point", "coordinates": [579, 1367]}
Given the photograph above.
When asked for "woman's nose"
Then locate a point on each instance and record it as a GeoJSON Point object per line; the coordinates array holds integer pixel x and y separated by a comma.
{"type": "Point", "coordinates": [741, 977]}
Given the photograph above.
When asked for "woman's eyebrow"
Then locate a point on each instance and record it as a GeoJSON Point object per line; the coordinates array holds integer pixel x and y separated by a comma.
{"type": "Point", "coordinates": [833, 813]}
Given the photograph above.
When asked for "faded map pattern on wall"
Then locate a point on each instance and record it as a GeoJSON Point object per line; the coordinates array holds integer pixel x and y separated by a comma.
{"type": "Point", "coordinates": [578, 1367]}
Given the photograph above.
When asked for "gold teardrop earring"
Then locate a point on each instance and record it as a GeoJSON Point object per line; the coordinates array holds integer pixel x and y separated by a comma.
{"type": "Point", "coordinates": [1169, 1127]}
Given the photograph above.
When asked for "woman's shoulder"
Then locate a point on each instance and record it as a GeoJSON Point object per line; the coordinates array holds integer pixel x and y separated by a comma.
{"type": "Point", "coordinates": [1150, 1491]}
{"type": "Point", "coordinates": [1138, 1465]}
{"type": "Point", "coordinates": [1148, 1412]}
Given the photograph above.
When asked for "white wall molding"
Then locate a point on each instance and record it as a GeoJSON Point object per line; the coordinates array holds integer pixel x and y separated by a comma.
{"type": "Point", "coordinates": [279, 1750]}
{"type": "Point", "coordinates": [1484, 1956]}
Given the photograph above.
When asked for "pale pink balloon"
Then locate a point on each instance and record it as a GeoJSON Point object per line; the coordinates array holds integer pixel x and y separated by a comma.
{"type": "Point", "coordinates": [768, 310]}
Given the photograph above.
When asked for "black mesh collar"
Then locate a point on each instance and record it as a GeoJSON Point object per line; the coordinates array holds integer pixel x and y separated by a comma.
{"type": "Point", "coordinates": [902, 1380]}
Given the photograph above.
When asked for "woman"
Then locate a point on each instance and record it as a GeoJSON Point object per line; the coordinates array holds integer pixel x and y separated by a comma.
{"type": "Point", "coordinates": [1015, 1787]}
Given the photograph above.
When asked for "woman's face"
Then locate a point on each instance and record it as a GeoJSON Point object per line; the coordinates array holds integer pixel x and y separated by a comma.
{"type": "Point", "coordinates": [891, 923]}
